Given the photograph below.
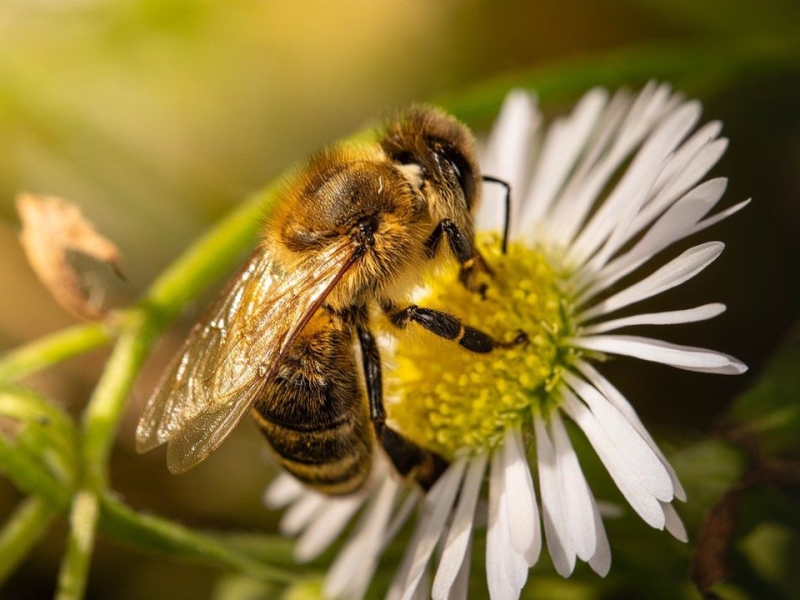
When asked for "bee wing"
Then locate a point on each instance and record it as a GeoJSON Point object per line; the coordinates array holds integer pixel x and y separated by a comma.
{"type": "Point", "coordinates": [233, 351]}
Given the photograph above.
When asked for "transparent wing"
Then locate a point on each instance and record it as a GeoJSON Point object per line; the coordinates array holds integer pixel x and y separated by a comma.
{"type": "Point", "coordinates": [233, 351]}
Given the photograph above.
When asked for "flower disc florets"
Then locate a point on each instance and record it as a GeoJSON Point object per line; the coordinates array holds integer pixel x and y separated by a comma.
{"type": "Point", "coordinates": [449, 399]}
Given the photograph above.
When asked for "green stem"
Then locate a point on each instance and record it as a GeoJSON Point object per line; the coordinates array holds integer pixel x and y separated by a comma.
{"type": "Point", "coordinates": [75, 565]}
{"type": "Point", "coordinates": [152, 534]}
{"type": "Point", "coordinates": [52, 349]}
{"type": "Point", "coordinates": [186, 278]}
{"type": "Point", "coordinates": [102, 415]}
{"type": "Point", "coordinates": [101, 419]}
{"type": "Point", "coordinates": [22, 530]}
{"type": "Point", "coordinates": [147, 534]}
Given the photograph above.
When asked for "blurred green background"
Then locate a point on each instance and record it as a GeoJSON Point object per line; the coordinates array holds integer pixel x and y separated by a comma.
{"type": "Point", "coordinates": [159, 116]}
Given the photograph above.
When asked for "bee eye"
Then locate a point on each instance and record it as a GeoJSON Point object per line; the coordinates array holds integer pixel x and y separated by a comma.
{"type": "Point", "coordinates": [461, 169]}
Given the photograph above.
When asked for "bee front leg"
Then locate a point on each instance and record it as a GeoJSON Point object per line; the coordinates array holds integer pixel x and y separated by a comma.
{"type": "Point", "coordinates": [408, 458]}
{"type": "Point", "coordinates": [468, 257]}
{"type": "Point", "coordinates": [449, 327]}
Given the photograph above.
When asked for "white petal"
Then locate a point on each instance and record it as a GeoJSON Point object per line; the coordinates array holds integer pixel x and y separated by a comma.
{"type": "Point", "coordinates": [673, 317]}
{"type": "Point", "coordinates": [508, 157]}
{"type": "Point", "coordinates": [580, 193]}
{"type": "Point", "coordinates": [688, 155]}
{"type": "Point", "coordinates": [555, 514]}
{"type": "Point", "coordinates": [566, 138]}
{"type": "Point", "coordinates": [654, 102]}
{"type": "Point", "coordinates": [437, 507]}
{"type": "Point", "coordinates": [686, 174]}
{"type": "Point", "coordinates": [326, 526]}
{"type": "Point", "coordinates": [421, 593]}
{"type": "Point", "coordinates": [574, 492]}
{"type": "Point", "coordinates": [645, 505]}
{"type": "Point", "coordinates": [714, 219]}
{"type": "Point", "coordinates": [674, 523]}
{"type": "Point", "coordinates": [674, 273]}
{"type": "Point", "coordinates": [673, 225]}
{"type": "Point", "coordinates": [636, 452]}
{"type": "Point", "coordinates": [640, 175]}
{"type": "Point", "coordinates": [622, 404]}
{"type": "Point", "coordinates": [601, 561]}
{"type": "Point", "coordinates": [506, 571]}
{"type": "Point", "coordinates": [413, 497]}
{"type": "Point", "coordinates": [284, 490]}
{"type": "Point", "coordinates": [681, 357]}
{"type": "Point", "coordinates": [460, 588]}
{"type": "Point", "coordinates": [350, 573]}
{"type": "Point", "coordinates": [458, 538]}
{"type": "Point", "coordinates": [301, 513]}
{"type": "Point", "coordinates": [519, 497]}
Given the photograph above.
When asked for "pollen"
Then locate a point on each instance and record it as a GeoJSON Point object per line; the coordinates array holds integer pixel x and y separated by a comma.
{"type": "Point", "coordinates": [451, 400]}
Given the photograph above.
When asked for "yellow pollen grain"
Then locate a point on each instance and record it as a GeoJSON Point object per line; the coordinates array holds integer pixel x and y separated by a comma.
{"type": "Point", "coordinates": [447, 398]}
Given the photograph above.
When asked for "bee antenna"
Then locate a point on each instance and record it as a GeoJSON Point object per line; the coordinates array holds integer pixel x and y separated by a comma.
{"type": "Point", "coordinates": [505, 184]}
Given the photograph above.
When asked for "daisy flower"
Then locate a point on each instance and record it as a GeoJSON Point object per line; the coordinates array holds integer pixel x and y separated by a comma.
{"type": "Point", "coordinates": [597, 196]}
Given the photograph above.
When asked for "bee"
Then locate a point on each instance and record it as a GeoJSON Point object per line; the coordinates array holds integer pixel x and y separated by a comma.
{"type": "Point", "coordinates": [347, 239]}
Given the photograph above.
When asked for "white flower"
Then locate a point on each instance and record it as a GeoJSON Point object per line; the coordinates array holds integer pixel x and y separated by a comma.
{"type": "Point", "coordinates": [597, 195]}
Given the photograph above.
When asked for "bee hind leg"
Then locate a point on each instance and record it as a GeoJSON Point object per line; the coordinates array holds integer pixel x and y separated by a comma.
{"type": "Point", "coordinates": [408, 458]}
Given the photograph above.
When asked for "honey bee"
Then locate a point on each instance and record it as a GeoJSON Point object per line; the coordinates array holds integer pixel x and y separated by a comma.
{"type": "Point", "coordinates": [348, 238]}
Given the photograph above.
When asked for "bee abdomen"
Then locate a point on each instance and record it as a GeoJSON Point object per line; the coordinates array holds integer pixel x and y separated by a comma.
{"type": "Point", "coordinates": [314, 415]}
{"type": "Point", "coordinates": [332, 456]}
{"type": "Point", "coordinates": [311, 443]}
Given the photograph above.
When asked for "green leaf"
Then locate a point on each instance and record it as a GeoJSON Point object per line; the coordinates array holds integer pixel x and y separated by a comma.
{"type": "Point", "coordinates": [239, 587]}
{"type": "Point", "coordinates": [707, 470]}
{"type": "Point", "coordinates": [732, 17]}
{"type": "Point", "coordinates": [693, 68]}
{"type": "Point", "coordinates": [769, 413]}
{"type": "Point", "coordinates": [44, 431]}
{"type": "Point", "coordinates": [38, 450]}
{"type": "Point", "coordinates": [30, 475]}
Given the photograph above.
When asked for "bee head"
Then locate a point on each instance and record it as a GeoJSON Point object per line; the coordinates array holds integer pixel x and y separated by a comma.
{"type": "Point", "coordinates": [444, 151]}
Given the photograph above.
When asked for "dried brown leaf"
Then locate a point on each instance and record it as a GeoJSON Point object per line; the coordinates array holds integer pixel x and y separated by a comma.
{"type": "Point", "coordinates": [711, 562]}
{"type": "Point", "coordinates": [52, 228]}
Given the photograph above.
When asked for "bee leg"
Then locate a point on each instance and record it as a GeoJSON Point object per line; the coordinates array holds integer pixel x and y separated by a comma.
{"type": "Point", "coordinates": [469, 271]}
{"type": "Point", "coordinates": [408, 458]}
{"type": "Point", "coordinates": [450, 328]}
{"type": "Point", "coordinates": [468, 257]}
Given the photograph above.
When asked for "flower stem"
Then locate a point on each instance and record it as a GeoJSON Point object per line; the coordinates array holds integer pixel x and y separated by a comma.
{"type": "Point", "coordinates": [186, 278]}
{"type": "Point", "coordinates": [152, 534]}
{"type": "Point", "coordinates": [75, 565]}
{"type": "Point", "coordinates": [100, 422]}
{"type": "Point", "coordinates": [22, 530]}
{"type": "Point", "coordinates": [53, 349]}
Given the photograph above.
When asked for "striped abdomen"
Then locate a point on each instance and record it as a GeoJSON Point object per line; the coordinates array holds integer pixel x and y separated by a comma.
{"type": "Point", "coordinates": [313, 413]}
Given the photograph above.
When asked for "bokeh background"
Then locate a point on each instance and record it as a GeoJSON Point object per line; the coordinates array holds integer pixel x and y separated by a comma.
{"type": "Point", "coordinates": [159, 116]}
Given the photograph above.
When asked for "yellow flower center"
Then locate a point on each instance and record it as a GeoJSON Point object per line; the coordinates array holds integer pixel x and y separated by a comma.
{"type": "Point", "coordinates": [447, 398]}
